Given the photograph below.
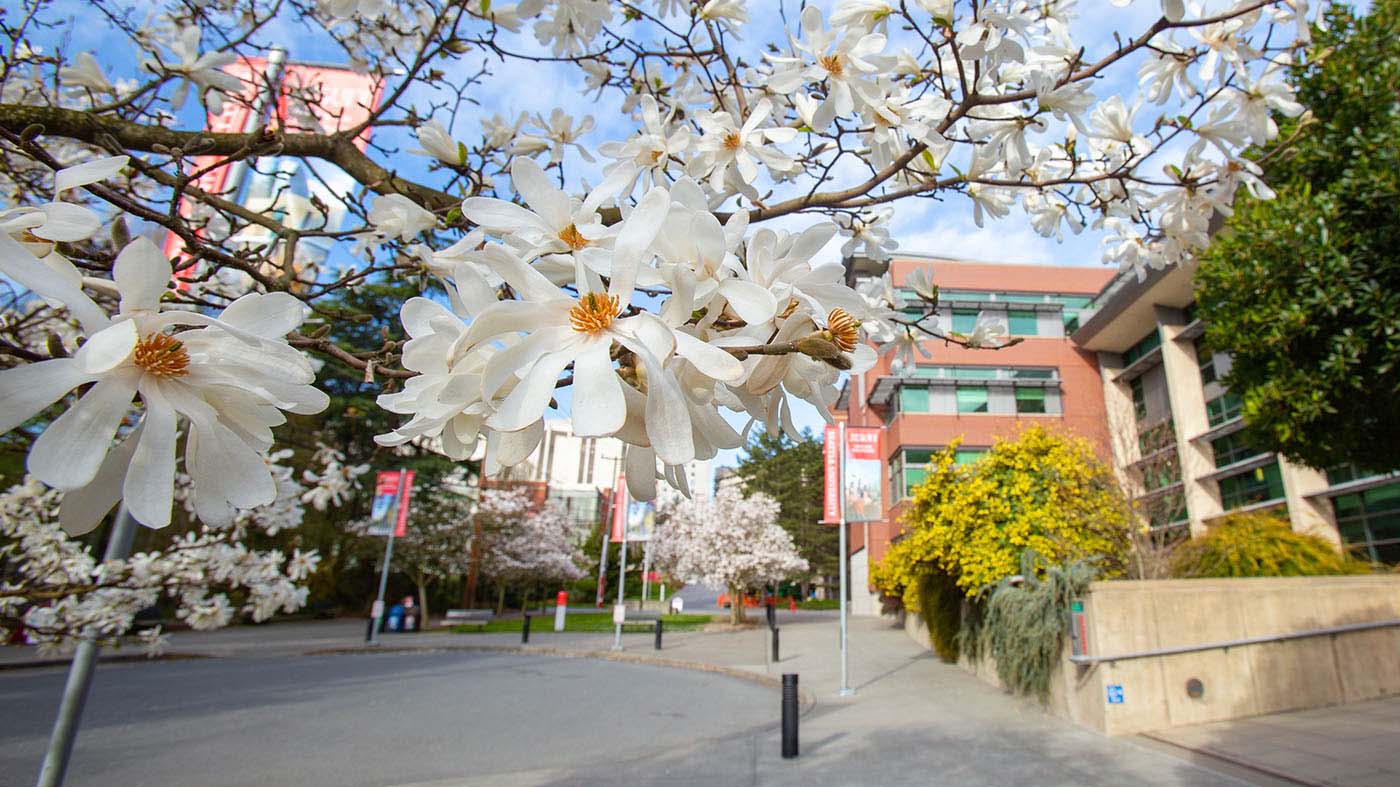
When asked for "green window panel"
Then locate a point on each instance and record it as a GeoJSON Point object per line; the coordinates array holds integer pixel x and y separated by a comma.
{"type": "Point", "coordinates": [1022, 323]}
{"type": "Point", "coordinates": [1223, 408]}
{"type": "Point", "coordinates": [1139, 398]}
{"type": "Point", "coordinates": [1144, 346]}
{"type": "Point", "coordinates": [1206, 360]}
{"type": "Point", "coordinates": [972, 399]}
{"type": "Point", "coordinates": [1254, 486]}
{"type": "Point", "coordinates": [1030, 400]}
{"type": "Point", "coordinates": [964, 320]}
{"type": "Point", "coordinates": [975, 372]}
{"type": "Point", "coordinates": [966, 456]}
{"type": "Point", "coordinates": [1232, 448]}
{"type": "Point", "coordinates": [913, 400]}
{"type": "Point", "coordinates": [1369, 523]}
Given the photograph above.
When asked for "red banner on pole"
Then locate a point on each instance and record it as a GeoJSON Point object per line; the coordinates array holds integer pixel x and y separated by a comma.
{"type": "Point", "coordinates": [389, 512]}
{"type": "Point", "coordinates": [831, 460]}
{"type": "Point", "coordinates": [619, 510]}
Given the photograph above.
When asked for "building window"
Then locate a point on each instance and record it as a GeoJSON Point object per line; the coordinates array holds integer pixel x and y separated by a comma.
{"type": "Point", "coordinates": [1139, 398]}
{"type": "Point", "coordinates": [1252, 486]}
{"type": "Point", "coordinates": [909, 468]}
{"type": "Point", "coordinates": [1369, 523]}
{"type": "Point", "coordinates": [1232, 448]}
{"type": "Point", "coordinates": [1205, 359]}
{"type": "Point", "coordinates": [1223, 408]}
{"type": "Point", "coordinates": [1030, 400]}
{"type": "Point", "coordinates": [913, 400]}
{"type": "Point", "coordinates": [1021, 323]}
{"type": "Point", "coordinates": [1144, 346]}
{"type": "Point", "coordinates": [972, 398]}
{"type": "Point", "coordinates": [964, 320]}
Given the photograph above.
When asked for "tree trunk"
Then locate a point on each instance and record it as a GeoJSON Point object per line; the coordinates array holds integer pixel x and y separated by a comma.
{"type": "Point", "coordinates": [736, 605]}
{"type": "Point", "coordinates": [422, 605]}
{"type": "Point", "coordinates": [500, 598]}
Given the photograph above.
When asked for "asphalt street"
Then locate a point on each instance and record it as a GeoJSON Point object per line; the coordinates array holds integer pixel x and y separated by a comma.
{"type": "Point", "coordinates": [373, 719]}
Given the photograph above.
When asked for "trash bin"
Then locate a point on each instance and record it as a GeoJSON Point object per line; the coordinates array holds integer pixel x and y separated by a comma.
{"type": "Point", "coordinates": [395, 621]}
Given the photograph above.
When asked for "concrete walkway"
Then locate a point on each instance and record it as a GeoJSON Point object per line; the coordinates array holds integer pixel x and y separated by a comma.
{"type": "Point", "coordinates": [1352, 744]}
{"type": "Point", "coordinates": [912, 719]}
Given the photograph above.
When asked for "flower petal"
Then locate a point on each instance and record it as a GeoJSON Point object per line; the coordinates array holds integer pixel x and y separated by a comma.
{"type": "Point", "coordinates": [497, 215]}
{"type": "Point", "coordinates": [68, 454]}
{"type": "Point", "coordinates": [108, 348]}
{"type": "Point", "coordinates": [149, 489]}
{"type": "Point", "coordinates": [633, 240]}
{"type": "Point", "coordinates": [534, 187]}
{"type": "Point", "coordinates": [708, 359]}
{"type": "Point", "coordinates": [598, 408]}
{"type": "Point", "coordinates": [20, 265]}
{"type": "Point", "coordinates": [88, 172]}
{"type": "Point", "coordinates": [754, 303]}
{"type": "Point", "coordinates": [141, 272]}
{"type": "Point", "coordinates": [526, 404]}
{"type": "Point", "coordinates": [83, 509]}
{"type": "Point", "coordinates": [64, 221]}
{"type": "Point", "coordinates": [271, 315]}
{"type": "Point", "coordinates": [27, 389]}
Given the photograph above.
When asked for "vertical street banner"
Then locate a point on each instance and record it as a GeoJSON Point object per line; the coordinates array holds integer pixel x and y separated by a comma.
{"type": "Point", "coordinates": [864, 490]}
{"type": "Point", "coordinates": [641, 520]}
{"type": "Point", "coordinates": [389, 512]}
{"type": "Point", "coordinates": [863, 475]}
{"type": "Point", "coordinates": [831, 472]}
{"type": "Point", "coordinates": [619, 510]}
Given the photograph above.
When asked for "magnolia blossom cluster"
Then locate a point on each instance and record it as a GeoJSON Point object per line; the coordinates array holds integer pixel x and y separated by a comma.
{"type": "Point", "coordinates": [541, 547]}
{"type": "Point", "coordinates": [729, 541]}
{"type": "Point", "coordinates": [57, 593]}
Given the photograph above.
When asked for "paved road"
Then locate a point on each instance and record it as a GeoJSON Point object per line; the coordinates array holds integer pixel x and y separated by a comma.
{"type": "Point", "coordinates": [384, 718]}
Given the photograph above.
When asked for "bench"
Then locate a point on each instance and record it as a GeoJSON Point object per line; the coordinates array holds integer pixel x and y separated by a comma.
{"type": "Point", "coordinates": [467, 617]}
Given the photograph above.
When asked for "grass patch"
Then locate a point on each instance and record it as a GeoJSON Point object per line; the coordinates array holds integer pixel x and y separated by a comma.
{"type": "Point", "coordinates": [582, 621]}
{"type": "Point", "coordinates": [820, 603]}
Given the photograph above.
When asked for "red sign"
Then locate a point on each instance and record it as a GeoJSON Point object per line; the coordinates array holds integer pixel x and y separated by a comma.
{"type": "Point", "coordinates": [859, 472]}
{"type": "Point", "coordinates": [389, 513]}
{"type": "Point", "coordinates": [336, 98]}
{"type": "Point", "coordinates": [831, 459]}
{"type": "Point", "coordinates": [619, 509]}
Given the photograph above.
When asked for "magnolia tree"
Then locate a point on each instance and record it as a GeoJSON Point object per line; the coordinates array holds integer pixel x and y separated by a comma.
{"type": "Point", "coordinates": [541, 547]}
{"type": "Point", "coordinates": [55, 592]}
{"type": "Point", "coordinates": [650, 275]}
{"type": "Point", "coordinates": [730, 541]}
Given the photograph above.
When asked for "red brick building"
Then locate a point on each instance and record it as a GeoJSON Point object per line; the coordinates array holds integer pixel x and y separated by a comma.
{"type": "Point", "coordinates": [977, 395]}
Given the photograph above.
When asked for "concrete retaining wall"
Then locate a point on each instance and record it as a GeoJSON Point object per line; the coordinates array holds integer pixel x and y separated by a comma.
{"type": "Point", "coordinates": [1129, 616]}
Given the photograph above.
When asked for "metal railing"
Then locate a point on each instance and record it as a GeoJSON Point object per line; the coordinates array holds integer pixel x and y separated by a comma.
{"type": "Point", "coordinates": [1235, 643]}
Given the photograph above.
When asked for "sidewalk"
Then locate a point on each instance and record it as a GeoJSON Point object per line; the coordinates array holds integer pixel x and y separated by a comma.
{"type": "Point", "coordinates": [912, 719]}
{"type": "Point", "coordinates": [1345, 744]}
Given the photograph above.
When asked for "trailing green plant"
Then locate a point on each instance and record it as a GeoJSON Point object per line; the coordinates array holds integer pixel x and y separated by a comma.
{"type": "Point", "coordinates": [941, 602]}
{"type": "Point", "coordinates": [1259, 544]}
{"type": "Point", "coordinates": [1023, 621]}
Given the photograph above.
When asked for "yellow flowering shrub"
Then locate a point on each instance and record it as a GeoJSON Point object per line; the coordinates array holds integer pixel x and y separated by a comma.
{"type": "Point", "coordinates": [1041, 490]}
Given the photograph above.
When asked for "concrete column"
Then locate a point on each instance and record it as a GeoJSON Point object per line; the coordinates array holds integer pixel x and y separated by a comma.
{"type": "Point", "coordinates": [1188, 403]}
{"type": "Point", "coordinates": [1122, 423]}
{"type": "Point", "coordinates": [1308, 515]}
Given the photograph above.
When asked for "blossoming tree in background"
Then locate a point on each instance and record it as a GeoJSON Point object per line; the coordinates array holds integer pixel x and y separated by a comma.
{"type": "Point", "coordinates": [730, 541]}
{"type": "Point", "coordinates": [651, 276]}
{"type": "Point", "coordinates": [537, 549]}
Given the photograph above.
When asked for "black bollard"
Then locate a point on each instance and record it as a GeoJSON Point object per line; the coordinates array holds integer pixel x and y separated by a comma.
{"type": "Point", "coordinates": [789, 715]}
{"type": "Point", "coordinates": [658, 635]}
{"type": "Point", "coordinates": [369, 630]}
{"type": "Point", "coordinates": [775, 645]}
{"type": "Point", "coordinates": [771, 614]}
{"type": "Point", "coordinates": [525, 630]}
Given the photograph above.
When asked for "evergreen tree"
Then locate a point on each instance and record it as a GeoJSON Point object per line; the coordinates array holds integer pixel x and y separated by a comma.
{"type": "Point", "coordinates": [791, 472]}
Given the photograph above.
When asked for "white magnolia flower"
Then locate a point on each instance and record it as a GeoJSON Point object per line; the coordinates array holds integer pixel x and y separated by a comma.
{"type": "Point", "coordinates": [85, 72]}
{"type": "Point", "coordinates": [397, 216]}
{"type": "Point", "coordinates": [552, 224]}
{"type": "Point", "coordinates": [438, 143]}
{"type": "Point", "coordinates": [724, 144]}
{"type": "Point", "coordinates": [228, 377]}
{"type": "Point", "coordinates": [847, 64]}
{"type": "Point", "coordinates": [573, 25]}
{"type": "Point", "coordinates": [990, 331]}
{"type": "Point", "coordinates": [203, 70]}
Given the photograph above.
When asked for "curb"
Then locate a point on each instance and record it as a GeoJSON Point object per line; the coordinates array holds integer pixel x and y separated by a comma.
{"type": "Point", "coordinates": [807, 700]}
{"type": "Point", "coordinates": [112, 659]}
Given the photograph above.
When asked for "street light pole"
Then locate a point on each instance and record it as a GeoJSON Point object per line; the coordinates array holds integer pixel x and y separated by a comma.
{"type": "Point", "coordinates": [75, 690]}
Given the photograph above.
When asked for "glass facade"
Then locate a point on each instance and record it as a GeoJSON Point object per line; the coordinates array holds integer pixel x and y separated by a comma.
{"type": "Point", "coordinates": [1205, 359]}
{"type": "Point", "coordinates": [1022, 323]}
{"type": "Point", "coordinates": [964, 320]}
{"type": "Point", "coordinates": [1232, 448]}
{"type": "Point", "coordinates": [908, 468]}
{"type": "Point", "coordinates": [1223, 408]}
{"type": "Point", "coordinates": [1144, 346]}
{"type": "Point", "coordinates": [972, 398]}
{"type": "Point", "coordinates": [1259, 485]}
{"type": "Point", "coordinates": [1369, 523]}
{"type": "Point", "coordinates": [1030, 400]}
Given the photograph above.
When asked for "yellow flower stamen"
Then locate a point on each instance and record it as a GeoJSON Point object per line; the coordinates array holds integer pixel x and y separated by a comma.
{"type": "Point", "coordinates": [832, 64]}
{"type": "Point", "coordinates": [732, 141]}
{"type": "Point", "coordinates": [594, 313]}
{"type": "Point", "coordinates": [843, 329]}
{"type": "Point", "coordinates": [162, 356]}
{"type": "Point", "coordinates": [572, 238]}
